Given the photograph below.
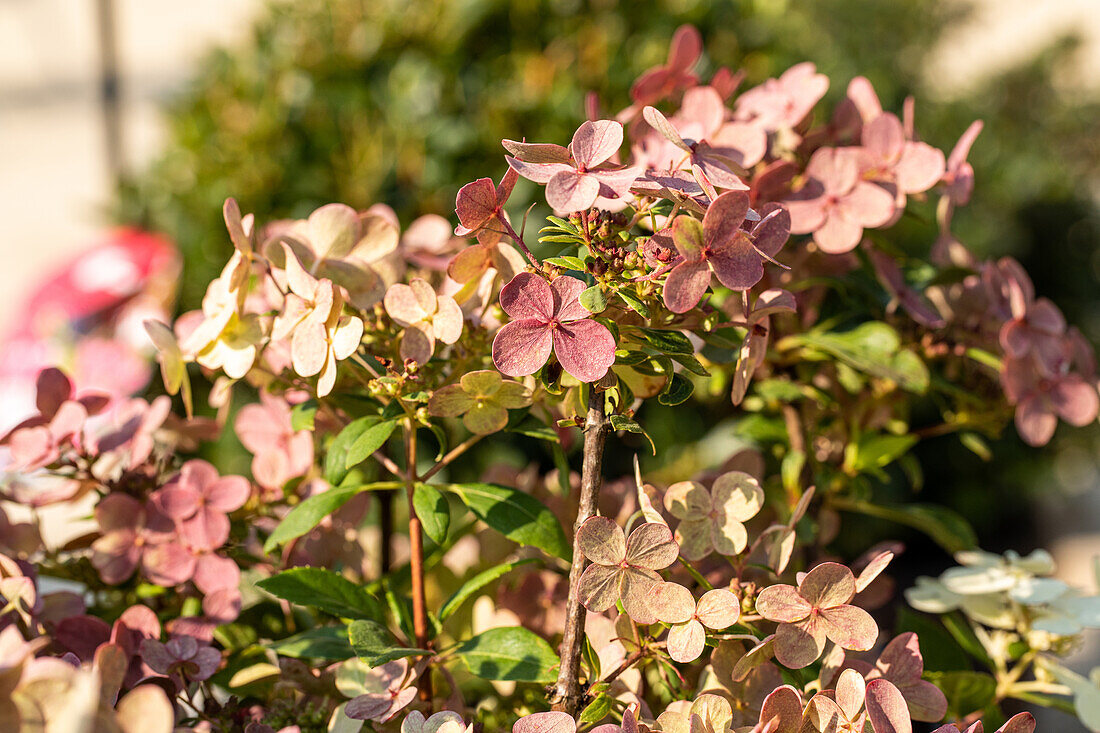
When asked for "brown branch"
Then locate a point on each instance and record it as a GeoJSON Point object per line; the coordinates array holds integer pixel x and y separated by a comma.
{"type": "Point", "coordinates": [416, 560]}
{"type": "Point", "coordinates": [567, 695]}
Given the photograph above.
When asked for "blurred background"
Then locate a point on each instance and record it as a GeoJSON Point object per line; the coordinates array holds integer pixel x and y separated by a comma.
{"type": "Point", "coordinates": [147, 114]}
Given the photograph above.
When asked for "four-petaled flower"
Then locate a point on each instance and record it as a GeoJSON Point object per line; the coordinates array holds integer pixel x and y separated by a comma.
{"type": "Point", "coordinates": [425, 316]}
{"type": "Point", "coordinates": [549, 317]}
{"type": "Point", "coordinates": [482, 398]}
{"type": "Point", "coordinates": [835, 203]}
{"type": "Point", "coordinates": [817, 609]}
{"type": "Point", "coordinates": [676, 73]}
{"type": "Point", "coordinates": [313, 315]}
{"type": "Point", "coordinates": [623, 568]}
{"type": "Point", "coordinates": [714, 520]}
{"type": "Point", "coordinates": [673, 604]}
{"type": "Point", "coordinates": [199, 500]}
{"type": "Point", "coordinates": [578, 175]}
{"type": "Point", "coordinates": [279, 453]}
{"type": "Point", "coordinates": [183, 659]}
{"type": "Point", "coordinates": [480, 209]}
{"type": "Point", "coordinates": [718, 244]}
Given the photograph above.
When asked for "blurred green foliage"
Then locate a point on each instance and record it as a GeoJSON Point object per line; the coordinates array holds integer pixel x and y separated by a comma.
{"type": "Point", "coordinates": [365, 101]}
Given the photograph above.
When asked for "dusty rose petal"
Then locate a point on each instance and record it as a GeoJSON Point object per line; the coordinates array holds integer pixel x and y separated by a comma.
{"type": "Point", "coordinates": [685, 285]}
{"type": "Point", "coordinates": [651, 546]}
{"type": "Point", "coordinates": [228, 494]}
{"type": "Point", "coordinates": [686, 641]}
{"type": "Point", "coordinates": [599, 587]}
{"type": "Point", "coordinates": [476, 203]}
{"type": "Point", "coordinates": [886, 708]}
{"type": "Point", "coordinates": [774, 229]}
{"type": "Point", "coordinates": [921, 166]}
{"type": "Point", "coordinates": [718, 609]}
{"type": "Point", "coordinates": [782, 603]}
{"type": "Point", "coordinates": [551, 722]}
{"type": "Point", "coordinates": [1075, 400]}
{"type": "Point", "coordinates": [850, 627]}
{"type": "Point", "coordinates": [470, 263]}
{"type": "Point", "coordinates": [636, 586]}
{"type": "Point", "coordinates": [52, 388]}
{"type": "Point", "coordinates": [403, 305]}
{"type": "Point", "coordinates": [417, 343]}
{"type": "Point", "coordinates": [828, 584]}
{"type": "Point", "coordinates": [838, 234]}
{"type": "Point", "coordinates": [799, 645]}
{"type": "Point", "coordinates": [783, 704]}
{"type": "Point", "coordinates": [869, 204]}
{"type": "Point", "coordinates": [213, 572]}
{"type": "Point", "coordinates": [168, 565]}
{"type": "Point", "coordinates": [585, 348]}
{"type": "Point", "coordinates": [178, 500]}
{"type": "Point", "coordinates": [850, 692]}
{"type": "Point", "coordinates": [595, 142]}
{"type": "Point", "coordinates": [447, 320]}
{"type": "Point", "coordinates": [567, 291]}
{"type": "Point", "coordinates": [522, 347]}
{"type": "Point", "coordinates": [1019, 723]}
{"type": "Point", "coordinates": [1035, 422]}
{"type": "Point", "coordinates": [528, 296]}
{"type": "Point", "coordinates": [872, 571]}
{"type": "Point", "coordinates": [672, 603]}
{"type": "Point", "coordinates": [602, 541]}
{"type": "Point", "coordinates": [570, 191]}
{"type": "Point", "coordinates": [823, 714]}
{"type": "Point", "coordinates": [540, 172]}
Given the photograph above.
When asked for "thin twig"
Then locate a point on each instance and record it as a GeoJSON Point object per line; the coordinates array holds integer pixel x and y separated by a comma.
{"type": "Point", "coordinates": [568, 696]}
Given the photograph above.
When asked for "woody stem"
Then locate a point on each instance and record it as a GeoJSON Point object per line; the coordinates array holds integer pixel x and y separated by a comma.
{"type": "Point", "coordinates": [416, 560]}
{"type": "Point", "coordinates": [567, 695]}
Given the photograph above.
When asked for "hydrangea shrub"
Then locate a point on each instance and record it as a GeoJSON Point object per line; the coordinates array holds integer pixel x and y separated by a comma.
{"type": "Point", "coordinates": [708, 244]}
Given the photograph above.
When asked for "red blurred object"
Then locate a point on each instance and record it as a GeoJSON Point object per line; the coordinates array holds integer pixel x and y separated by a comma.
{"type": "Point", "coordinates": [86, 318]}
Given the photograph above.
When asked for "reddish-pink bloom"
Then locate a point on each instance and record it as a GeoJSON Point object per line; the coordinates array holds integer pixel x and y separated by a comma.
{"type": "Point", "coordinates": [835, 203]}
{"type": "Point", "coordinates": [888, 156]}
{"type": "Point", "coordinates": [480, 208]}
{"type": "Point", "coordinates": [782, 103]}
{"type": "Point", "coordinates": [197, 499]}
{"type": "Point", "coordinates": [39, 440]}
{"type": "Point", "coordinates": [1043, 393]}
{"type": "Point", "coordinates": [578, 175]}
{"type": "Point", "coordinates": [279, 452]}
{"type": "Point", "coordinates": [549, 317]}
{"type": "Point", "coordinates": [130, 533]}
{"type": "Point", "coordinates": [663, 81]}
{"type": "Point", "coordinates": [718, 244]}
{"type": "Point", "coordinates": [959, 176]}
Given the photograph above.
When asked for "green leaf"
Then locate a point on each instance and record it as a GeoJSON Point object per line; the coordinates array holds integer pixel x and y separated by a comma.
{"type": "Point", "coordinates": [874, 451]}
{"type": "Point", "coordinates": [873, 348]}
{"type": "Point", "coordinates": [325, 590]}
{"type": "Point", "coordinates": [512, 653]}
{"type": "Point", "coordinates": [324, 642]}
{"type": "Point", "coordinates": [516, 515]}
{"type": "Point", "coordinates": [433, 510]}
{"type": "Point", "coordinates": [566, 262]}
{"type": "Point", "coordinates": [375, 644]}
{"type": "Point", "coordinates": [476, 583]}
{"type": "Point", "coordinates": [949, 530]}
{"type": "Point", "coordinates": [634, 302]}
{"type": "Point", "coordinates": [689, 362]}
{"type": "Point", "coordinates": [668, 342]}
{"type": "Point", "coordinates": [301, 415]}
{"type": "Point", "coordinates": [977, 445]}
{"type": "Point", "coordinates": [961, 631]}
{"type": "Point", "coordinates": [966, 691]}
{"type": "Point", "coordinates": [622, 422]}
{"type": "Point", "coordinates": [597, 710]}
{"type": "Point", "coordinates": [593, 299]}
{"type": "Point", "coordinates": [336, 465]}
{"type": "Point", "coordinates": [307, 515]}
{"type": "Point", "coordinates": [677, 390]}
{"type": "Point", "coordinates": [370, 440]}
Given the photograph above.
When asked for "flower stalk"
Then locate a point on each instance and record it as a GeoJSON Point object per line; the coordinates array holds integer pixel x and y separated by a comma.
{"type": "Point", "coordinates": [568, 695]}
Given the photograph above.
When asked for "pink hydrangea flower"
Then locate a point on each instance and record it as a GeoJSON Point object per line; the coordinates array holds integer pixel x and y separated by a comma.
{"type": "Point", "coordinates": [887, 155]}
{"type": "Point", "coordinates": [835, 203]}
{"type": "Point", "coordinates": [279, 453]}
{"type": "Point", "coordinates": [718, 244]}
{"type": "Point", "coordinates": [817, 609]}
{"type": "Point", "coordinates": [784, 102]}
{"type": "Point", "coordinates": [426, 316]}
{"type": "Point", "coordinates": [578, 175]}
{"type": "Point", "coordinates": [130, 533]}
{"type": "Point", "coordinates": [549, 317]}
{"type": "Point", "coordinates": [661, 82]}
{"type": "Point", "coordinates": [198, 500]}
{"type": "Point", "coordinates": [623, 568]}
{"type": "Point", "coordinates": [1043, 395]}
{"type": "Point", "coordinates": [958, 178]}
{"type": "Point", "coordinates": [39, 440]}
{"type": "Point", "coordinates": [388, 691]}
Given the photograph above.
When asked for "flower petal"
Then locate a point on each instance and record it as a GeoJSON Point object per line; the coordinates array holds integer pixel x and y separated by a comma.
{"type": "Point", "coordinates": [687, 499]}
{"type": "Point", "coordinates": [595, 142]}
{"type": "Point", "coordinates": [522, 347]}
{"type": "Point", "coordinates": [570, 191]}
{"type": "Point", "coordinates": [599, 587]}
{"type": "Point", "coordinates": [672, 603]}
{"type": "Point", "coordinates": [782, 603]}
{"type": "Point", "coordinates": [651, 546]}
{"type": "Point", "coordinates": [799, 645]}
{"type": "Point", "coordinates": [718, 609]}
{"type": "Point", "coordinates": [886, 708]}
{"type": "Point", "coordinates": [585, 348]}
{"type": "Point", "coordinates": [686, 641]}
{"type": "Point", "coordinates": [528, 296]}
{"type": "Point", "coordinates": [850, 627]}
{"type": "Point", "coordinates": [828, 584]}
{"type": "Point", "coordinates": [602, 541]}
{"type": "Point", "coordinates": [685, 285]}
